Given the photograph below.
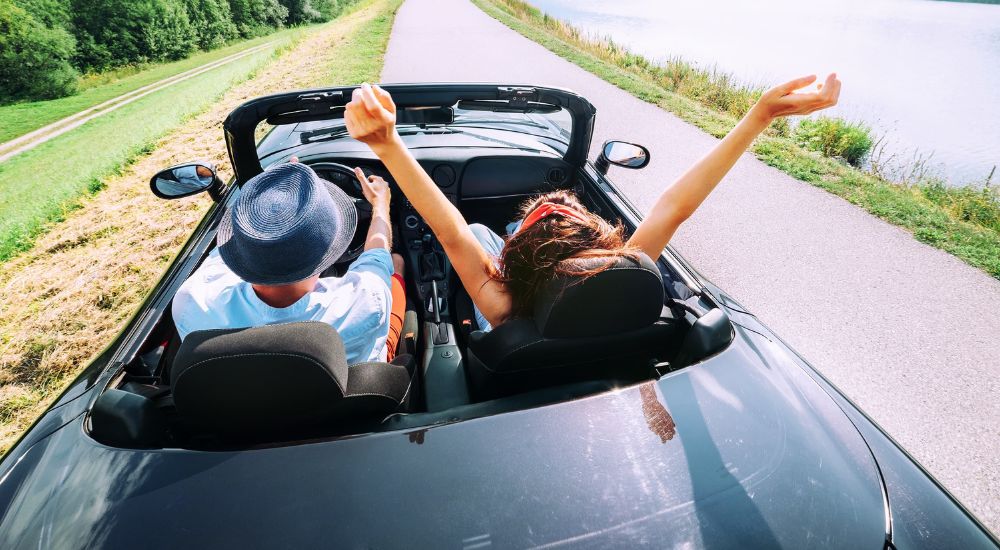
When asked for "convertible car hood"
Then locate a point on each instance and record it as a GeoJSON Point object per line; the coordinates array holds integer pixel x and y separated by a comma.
{"type": "Point", "coordinates": [743, 450]}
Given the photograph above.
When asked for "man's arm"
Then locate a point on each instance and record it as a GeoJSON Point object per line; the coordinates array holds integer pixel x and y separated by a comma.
{"type": "Point", "coordinates": [377, 192]}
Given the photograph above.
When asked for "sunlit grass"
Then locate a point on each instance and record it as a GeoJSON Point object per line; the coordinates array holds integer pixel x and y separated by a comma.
{"type": "Point", "coordinates": [66, 297]}
{"type": "Point", "coordinates": [36, 185]}
{"type": "Point", "coordinates": [20, 118]}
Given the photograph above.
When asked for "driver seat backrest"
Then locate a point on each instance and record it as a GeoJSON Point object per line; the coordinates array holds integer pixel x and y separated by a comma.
{"type": "Point", "coordinates": [282, 381]}
{"type": "Point", "coordinates": [607, 325]}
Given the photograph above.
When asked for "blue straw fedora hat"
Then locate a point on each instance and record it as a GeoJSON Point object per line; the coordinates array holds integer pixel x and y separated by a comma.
{"type": "Point", "coordinates": [287, 225]}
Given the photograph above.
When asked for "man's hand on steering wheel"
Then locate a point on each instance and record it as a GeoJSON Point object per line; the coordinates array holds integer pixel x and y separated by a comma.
{"type": "Point", "coordinates": [375, 189]}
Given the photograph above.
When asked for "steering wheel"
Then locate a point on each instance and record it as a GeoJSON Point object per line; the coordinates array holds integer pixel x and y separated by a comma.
{"type": "Point", "coordinates": [344, 178]}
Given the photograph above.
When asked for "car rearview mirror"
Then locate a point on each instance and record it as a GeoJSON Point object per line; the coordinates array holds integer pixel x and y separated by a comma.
{"type": "Point", "coordinates": [621, 153]}
{"type": "Point", "coordinates": [184, 180]}
{"type": "Point", "coordinates": [425, 115]}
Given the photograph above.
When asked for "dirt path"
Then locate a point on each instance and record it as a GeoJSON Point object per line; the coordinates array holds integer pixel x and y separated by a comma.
{"type": "Point", "coordinates": [907, 331]}
{"type": "Point", "coordinates": [37, 137]}
{"type": "Point", "coordinates": [61, 302]}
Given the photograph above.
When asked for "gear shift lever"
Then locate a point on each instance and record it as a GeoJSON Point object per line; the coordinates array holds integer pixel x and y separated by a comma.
{"type": "Point", "coordinates": [431, 262]}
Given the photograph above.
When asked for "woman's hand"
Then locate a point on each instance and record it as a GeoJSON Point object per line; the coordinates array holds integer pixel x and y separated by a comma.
{"type": "Point", "coordinates": [783, 100]}
{"type": "Point", "coordinates": [371, 117]}
{"type": "Point", "coordinates": [680, 200]}
{"type": "Point", "coordinates": [376, 189]}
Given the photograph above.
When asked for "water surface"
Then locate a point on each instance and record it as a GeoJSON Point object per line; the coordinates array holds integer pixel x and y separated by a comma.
{"type": "Point", "coordinates": [925, 74]}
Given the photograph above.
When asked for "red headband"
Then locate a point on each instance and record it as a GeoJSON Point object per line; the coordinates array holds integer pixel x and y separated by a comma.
{"type": "Point", "coordinates": [546, 209]}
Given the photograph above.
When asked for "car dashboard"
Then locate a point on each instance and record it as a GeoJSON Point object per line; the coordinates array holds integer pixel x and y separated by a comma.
{"type": "Point", "coordinates": [465, 173]}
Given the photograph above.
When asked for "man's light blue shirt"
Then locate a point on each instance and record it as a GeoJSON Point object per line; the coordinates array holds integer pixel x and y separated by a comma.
{"type": "Point", "coordinates": [357, 305]}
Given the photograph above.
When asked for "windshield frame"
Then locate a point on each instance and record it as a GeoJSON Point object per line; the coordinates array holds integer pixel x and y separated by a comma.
{"type": "Point", "coordinates": [328, 104]}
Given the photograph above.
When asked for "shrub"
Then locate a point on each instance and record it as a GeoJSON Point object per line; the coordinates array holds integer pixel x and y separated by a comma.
{"type": "Point", "coordinates": [835, 137]}
{"type": "Point", "coordinates": [34, 59]}
{"type": "Point", "coordinates": [300, 11]}
{"type": "Point", "coordinates": [330, 9]}
{"type": "Point", "coordinates": [978, 205]}
{"type": "Point", "coordinates": [51, 13]}
{"type": "Point", "coordinates": [211, 21]}
{"type": "Point", "coordinates": [119, 32]}
{"type": "Point", "coordinates": [257, 17]}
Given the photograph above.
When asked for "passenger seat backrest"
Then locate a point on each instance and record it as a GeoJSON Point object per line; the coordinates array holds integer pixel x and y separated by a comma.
{"type": "Point", "coordinates": [602, 326]}
{"type": "Point", "coordinates": [281, 380]}
{"type": "Point", "coordinates": [626, 296]}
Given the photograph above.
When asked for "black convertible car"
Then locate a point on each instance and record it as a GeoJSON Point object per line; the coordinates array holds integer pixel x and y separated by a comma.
{"type": "Point", "coordinates": [639, 407]}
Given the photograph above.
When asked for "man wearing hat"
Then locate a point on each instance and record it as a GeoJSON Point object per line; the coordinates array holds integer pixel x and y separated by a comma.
{"type": "Point", "coordinates": [286, 228]}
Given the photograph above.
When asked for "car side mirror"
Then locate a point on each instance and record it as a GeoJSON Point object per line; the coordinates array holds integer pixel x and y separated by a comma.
{"type": "Point", "coordinates": [621, 153]}
{"type": "Point", "coordinates": [184, 180]}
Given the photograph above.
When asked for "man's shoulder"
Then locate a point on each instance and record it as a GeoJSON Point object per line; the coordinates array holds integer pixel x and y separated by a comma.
{"type": "Point", "coordinates": [206, 292]}
{"type": "Point", "coordinates": [371, 270]}
{"type": "Point", "coordinates": [209, 285]}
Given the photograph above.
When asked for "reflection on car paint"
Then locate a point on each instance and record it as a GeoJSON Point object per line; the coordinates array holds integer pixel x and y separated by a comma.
{"type": "Point", "coordinates": [657, 418]}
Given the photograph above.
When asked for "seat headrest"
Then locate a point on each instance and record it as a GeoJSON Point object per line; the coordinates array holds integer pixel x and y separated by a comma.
{"type": "Point", "coordinates": [626, 296]}
{"type": "Point", "coordinates": [262, 378]}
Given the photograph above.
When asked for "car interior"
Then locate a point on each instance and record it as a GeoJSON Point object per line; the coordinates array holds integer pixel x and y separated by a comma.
{"type": "Point", "coordinates": [288, 384]}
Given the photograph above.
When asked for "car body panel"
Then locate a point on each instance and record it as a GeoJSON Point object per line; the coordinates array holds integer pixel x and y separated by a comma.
{"type": "Point", "coordinates": [739, 449]}
{"type": "Point", "coordinates": [749, 448]}
{"type": "Point", "coordinates": [923, 513]}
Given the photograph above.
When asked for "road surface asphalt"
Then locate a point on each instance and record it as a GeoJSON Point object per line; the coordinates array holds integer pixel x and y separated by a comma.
{"type": "Point", "coordinates": [910, 333]}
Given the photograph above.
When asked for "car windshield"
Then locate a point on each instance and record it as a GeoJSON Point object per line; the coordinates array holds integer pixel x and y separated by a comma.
{"type": "Point", "coordinates": [547, 127]}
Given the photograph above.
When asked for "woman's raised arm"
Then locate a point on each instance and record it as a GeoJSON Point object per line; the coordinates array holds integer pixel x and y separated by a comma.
{"type": "Point", "coordinates": [684, 196]}
{"type": "Point", "coordinates": [371, 119]}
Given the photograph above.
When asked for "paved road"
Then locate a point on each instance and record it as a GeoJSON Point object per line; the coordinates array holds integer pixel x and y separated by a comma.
{"type": "Point", "coordinates": [910, 333]}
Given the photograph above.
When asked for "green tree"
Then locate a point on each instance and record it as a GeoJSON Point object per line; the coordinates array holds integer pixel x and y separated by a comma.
{"type": "Point", "coordinates": [212, 22]}
{"type": "Point", "coordinates": [257, 17]}
{"type": "Point", "coordinates": [52, 13]}
{"type": "Point", "coordinates": [118, 32]}
{"type": "Point", "coordinates": [300, 11]}
{"type": "Point", "coordinates": [34, 59]}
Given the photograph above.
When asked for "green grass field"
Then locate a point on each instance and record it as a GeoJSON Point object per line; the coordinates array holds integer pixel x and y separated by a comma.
{"type": "Point", "coordinates": [39, 185]}
{"type": "Point", "coordinates": [61, 302]}
{"type": "Point", "coordinates": [964, 221]}
{"type": "Point", "coordinates": [20, 118]}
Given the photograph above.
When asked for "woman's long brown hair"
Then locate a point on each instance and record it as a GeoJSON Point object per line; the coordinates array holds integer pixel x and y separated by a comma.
{"type": "Point", "coordinates": [533, 257]}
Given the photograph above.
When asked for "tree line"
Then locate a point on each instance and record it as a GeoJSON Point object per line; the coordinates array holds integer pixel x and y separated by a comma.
{"type": "Point", "coordinates": [46, 44]}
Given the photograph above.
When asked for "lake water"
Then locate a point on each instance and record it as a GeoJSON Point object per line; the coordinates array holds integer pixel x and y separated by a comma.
{"type": "Point", "coordinates": [925, 74]}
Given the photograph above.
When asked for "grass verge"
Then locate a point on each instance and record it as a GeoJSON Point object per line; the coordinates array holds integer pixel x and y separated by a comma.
{"type": "Point", "coordinates": [20, 118]}
{"type": "Point", "coordinates": [39, 185]}
{"type": "Point", "coordinates": [964, 221]}
{"type": "Point", "coordinates": [66, 297]}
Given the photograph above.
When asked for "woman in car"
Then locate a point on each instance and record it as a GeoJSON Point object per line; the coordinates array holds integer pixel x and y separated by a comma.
{"type": "Point", "coordinates": [504, 276]}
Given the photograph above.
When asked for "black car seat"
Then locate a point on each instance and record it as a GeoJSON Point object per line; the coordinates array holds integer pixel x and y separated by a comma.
{"type": "Point", "coordinates": [611, 325]}
{"type": "Point", "coordinates": [281, 382]}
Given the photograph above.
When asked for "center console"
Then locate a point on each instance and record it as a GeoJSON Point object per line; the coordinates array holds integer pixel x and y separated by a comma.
{"type": "Point", "coordinates": [441, 367]}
